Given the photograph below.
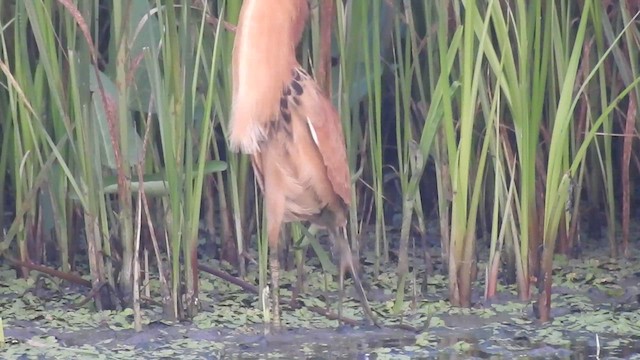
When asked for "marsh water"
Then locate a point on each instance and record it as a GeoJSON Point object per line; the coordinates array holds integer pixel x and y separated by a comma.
{"type": "Point", "coordinates": [596, 314]}
{"type": "Point", "coordinates": [34, 339]}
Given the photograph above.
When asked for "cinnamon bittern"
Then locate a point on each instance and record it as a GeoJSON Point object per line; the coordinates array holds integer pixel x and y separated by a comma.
{"type": "Point", "coordinates": [291, 130]}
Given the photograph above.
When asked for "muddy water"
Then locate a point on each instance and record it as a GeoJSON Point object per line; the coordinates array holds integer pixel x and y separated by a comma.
{"type": "Point", "coordinates": [596, 310]}
{"type": "Point", "coordinates": [31, 340]}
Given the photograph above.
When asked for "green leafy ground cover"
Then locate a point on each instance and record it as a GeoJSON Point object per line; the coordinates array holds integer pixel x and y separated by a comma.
{"type": "Point", "coordinates": [596, 308]}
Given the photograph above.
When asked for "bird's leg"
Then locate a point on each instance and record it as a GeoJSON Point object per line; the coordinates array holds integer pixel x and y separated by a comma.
{"type": "Point", "coordinates": [274, 202]}
{"type": "Point", "coordinates": [347, 262]}
{"type": "Point", "coordinates": [342, 269]}
{"type": "Point", "coordinates": [274, 267]}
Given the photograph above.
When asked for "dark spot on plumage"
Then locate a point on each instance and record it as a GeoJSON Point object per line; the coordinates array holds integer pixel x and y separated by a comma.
{"type": "Point", "coordinates": [284, 104]}
{"type": "Point", "coordinates": [297, 88]}
{"type": "Point", "coordinates": [286, 116]}
{"type": "Point", "coordinates": [296, 100]}
{"type": "Point", "coordinates": [274, 127]}
{"type": "Point", "coordinates": [286, 92]}
{"type": "Point", "coordinates": [286, 127]}
{"type": "Point", "coordinates": [281, 125]}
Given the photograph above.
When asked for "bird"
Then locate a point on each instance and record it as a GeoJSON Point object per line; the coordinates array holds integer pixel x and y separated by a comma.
{"type": "Point", "coordinates": [281, 118]}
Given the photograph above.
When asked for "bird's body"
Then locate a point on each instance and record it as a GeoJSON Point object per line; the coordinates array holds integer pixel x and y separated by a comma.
{"type": "Point", "coordinates": [292, 157]}
{"type": "Point", "coordinates": [289, 127]}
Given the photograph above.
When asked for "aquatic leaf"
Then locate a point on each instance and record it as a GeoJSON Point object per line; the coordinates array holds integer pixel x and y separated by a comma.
{"type": "Point", "coordinates": [426, 339]}
{"type": "Point", "coordinates": [461, 346]}
{"type": "Point", "coordinates": [521, 321]}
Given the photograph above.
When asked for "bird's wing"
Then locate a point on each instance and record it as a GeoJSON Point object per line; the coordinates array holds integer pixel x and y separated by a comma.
{"type": "Point", "coordinates": [326, 129]}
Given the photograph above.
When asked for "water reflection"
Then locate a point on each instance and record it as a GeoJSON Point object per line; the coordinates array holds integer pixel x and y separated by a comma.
{"type": "Point", "coordinates": [479, 344]}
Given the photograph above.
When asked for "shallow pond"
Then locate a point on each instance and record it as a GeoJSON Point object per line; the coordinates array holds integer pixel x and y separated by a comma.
{"type": "Point", "coordinates": [596, 314]}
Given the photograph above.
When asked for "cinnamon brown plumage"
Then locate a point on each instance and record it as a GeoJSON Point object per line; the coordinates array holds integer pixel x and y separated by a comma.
{"type": "Point", "coordinates": [263, 58]}
{"type": "Point", "coordinates": [304, 153]}
{"type": "Point", "coordinates": [291, 130]}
